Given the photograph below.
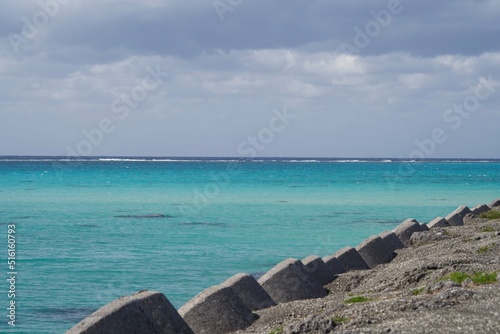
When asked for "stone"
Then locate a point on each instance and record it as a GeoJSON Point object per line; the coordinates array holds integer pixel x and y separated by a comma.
{"type": "Point", "coordinates": [391, 240]}
{"type": "Point", "coordinates": [456, 218]}
{"type": "Point", "coordinates": [217, 310]}
{"type": "Point", "coordinates": [143, 312]}
{"type": "Point", "coordinates": [374, 251]}
{"type": "Point", "coordinates": [350, 259]}
{"type": "Point", "coordinates": [334, 264]}
{"type": "Point", "coordinates": [480, 208]}
{"type": "Point", "coordinates": [438, 222]}
{"type": "Point", "coordinates": [424, 227]}
{"type": "Point", "coordinates": [470, 218]}
{"type": "Point", "coordinates": [420, 238]}
{"type": "Point", "coordinates": [250, 291]}
{"type": "Point", "coordinates": [311, 324]}
{"type": "Point", "coordinates": [289, 281]}
{"type": "Point", "coordinates": [495, 203]}
{"type": "Point", "coordinates": [318, 271]}
{"type": "Point", "coordinates": [404, 230]}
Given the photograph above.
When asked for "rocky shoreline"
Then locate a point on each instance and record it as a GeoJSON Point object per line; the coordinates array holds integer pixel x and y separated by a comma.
{"type": "Point", "coordinates": [414, 279]}
{"type": "Point", "coordinates": [411, 294]}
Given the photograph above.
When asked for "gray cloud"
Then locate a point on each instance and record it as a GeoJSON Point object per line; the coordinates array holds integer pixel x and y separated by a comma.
{"type": "Point", "coordinates": [225, 77]}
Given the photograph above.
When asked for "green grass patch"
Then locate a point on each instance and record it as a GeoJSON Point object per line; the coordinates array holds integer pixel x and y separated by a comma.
{"type": "Point", "coordinates": [416, 292]}
{"type": "Point", "coordinates": [357, 299]}
{"type": "Point", "coordinates": [490, 215]}
{"type": "Point", "coordinates": [458, 277]}
{"type": "Point", "coordinates": [485, 249]}
{"type": "Point", "coordinates": [478, 278]}
{"type": "Point", "coordinates": [340, 320]}
{"type": "Point", "coordinates": [277, 330]}
{"type": "Point", "coordinates": [484, 278]}
{"type": "Point", "coordinates": [488, 229]}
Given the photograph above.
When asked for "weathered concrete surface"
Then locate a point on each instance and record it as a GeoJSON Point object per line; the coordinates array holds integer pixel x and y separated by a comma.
{"type": "Point", "coordinates": [350, 259]}
{"type": "Point", "coordinates": [456, 218]}
{"type": "Point", "coordinates": [250, 291]}
{"type": "Point", "coordinates": [289, 281]}
{"type": "Point", "coordinates": [143, 312]}
{"type": "Point", "coordinates": [391, 240]}
{"type": "Point", "coordinates": [334, 264]}
{"type": "Point", "coordinates": [163, 312]}
{"type": "Point", "coordinates": [217, 310]}
{"type": "Point", "coordinates": [480, 208]}
{"type": "Point", "coordinates": [318, 271]}
{"type": "Point", "coordinates": [424, 227]}
{"type": "Point", "coordinates": [406, 229]}
{"type": "Point", "coordinates": [438, 222]}
{"type": "Point", "coordinates": [374, 251]}
{"type": "Point", "coordinates": [495, 203]}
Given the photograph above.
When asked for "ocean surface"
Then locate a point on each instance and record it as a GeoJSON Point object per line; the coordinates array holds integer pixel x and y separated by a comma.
{"type": "Point", "coordinates": [91, 230]}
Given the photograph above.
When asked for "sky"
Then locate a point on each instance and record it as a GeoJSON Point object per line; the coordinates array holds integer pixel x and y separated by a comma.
{"type": "Point", "coordinates": [250, 78]}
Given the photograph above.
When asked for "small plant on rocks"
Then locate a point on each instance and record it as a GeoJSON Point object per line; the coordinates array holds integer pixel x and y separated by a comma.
{"type": "Point", "coordinates": [490, 215]}
{"type": "Point", "coordinates": [277, 330]}
{"type": "Point", "coordinates": [357, 299]}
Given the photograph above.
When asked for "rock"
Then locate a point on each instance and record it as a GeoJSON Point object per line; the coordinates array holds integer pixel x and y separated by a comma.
{"type": "Point", "coordinates": [374, 252]}
{"type": "Point", "coordinates": [334, 264]}
{"type": "Point", "coordinates": [217, 310]}
{"type": "Point", "coordinates": [143, 312]}
{"type": "Point", "coordinates": [350, 259]}
{"type": "Point", "coordinates": [289, 281]}
{"type": "Point", "coordinates": [391, 240]}
{"type": "Point", "coordinates": [470, 218]}
{"type": "Point", "coordinates": [495, 203]}
{"type": "Point", "coordinates": [318, 271]}
{"type": "Point", "coordinates": [404, 230]}
{"type": "Point", "coordinates": [438, 222]}
{"type": "Point", "coordinates": [442, 285]}
{"type": "Point", "coordinates": [480, 208]}
{"type": "Point", "coordinates": [312, 324]}
{"type": "Point", "coordinates": [154, 215]}
{"type": "Point", "coordinates": [456, 218]}
{"type": "Point", "coordinates": [424, 227]}
{"type": "Point", "coordinates": [420, 238]}
{"type": "Point", "coordinates": [250, 291]}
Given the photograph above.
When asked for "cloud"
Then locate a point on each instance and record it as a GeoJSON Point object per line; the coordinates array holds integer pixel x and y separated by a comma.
{"type": "Point", "coordinates": [225, 77]}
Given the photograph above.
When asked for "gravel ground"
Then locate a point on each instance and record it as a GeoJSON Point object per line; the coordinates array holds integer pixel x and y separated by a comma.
{"type": "Point", "coordinates": [408, 295]}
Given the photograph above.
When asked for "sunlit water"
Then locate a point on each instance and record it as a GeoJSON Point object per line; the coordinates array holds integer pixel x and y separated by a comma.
{"type": "Point", "coordinates": [87, 231]}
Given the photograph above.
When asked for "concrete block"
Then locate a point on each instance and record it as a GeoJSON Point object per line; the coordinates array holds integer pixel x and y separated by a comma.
{"type": "Point", "coordinates": [289, 281]}
{"type": "Point", "coordinates": [494, 203]}
{"type": "Point", "coordinates": [438, 222]}
{"type": "Point", "coordinates": [163, 312]}
{"type": "Point", "coordinates": [480, 208]}
{"type": "Point", "coordinates": [217, 310]}
{"type": "Point", "coordinates": [391, 240]}
{"type": "Point", "coordinates": [350, 259]}
{"type": "Point", "coordinates": [374, 251]}
{"type": "Point", "coordinates": [456, 218]}
{"type": "Point", "coordinates": [143, 312]}
{"type": "Point", "coordinates": [424, 227]}
{"type": "Point", "coordinates": [334, 264]}
{"type": "Point", "coordinates": [318, 271]}
{"type": "Point", "coordinates": [250, 291]}
{"type": "Point", "coordinates": [404, 230]}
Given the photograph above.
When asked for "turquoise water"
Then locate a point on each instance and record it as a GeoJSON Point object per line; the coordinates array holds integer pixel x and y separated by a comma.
{"type": "Point", "coordinates": [85, 234]}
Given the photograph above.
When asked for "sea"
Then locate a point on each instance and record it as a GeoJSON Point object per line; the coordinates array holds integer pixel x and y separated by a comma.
{"type": "Point", "coordinates": [90, 230]}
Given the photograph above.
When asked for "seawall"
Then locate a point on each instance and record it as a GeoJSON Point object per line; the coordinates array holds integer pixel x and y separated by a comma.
{"type": "Point", "coordinates": [244, 304]}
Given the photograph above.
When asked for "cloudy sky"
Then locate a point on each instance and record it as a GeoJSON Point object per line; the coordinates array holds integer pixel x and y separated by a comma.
{"type": "Point", "coordinates": [336, 78]}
